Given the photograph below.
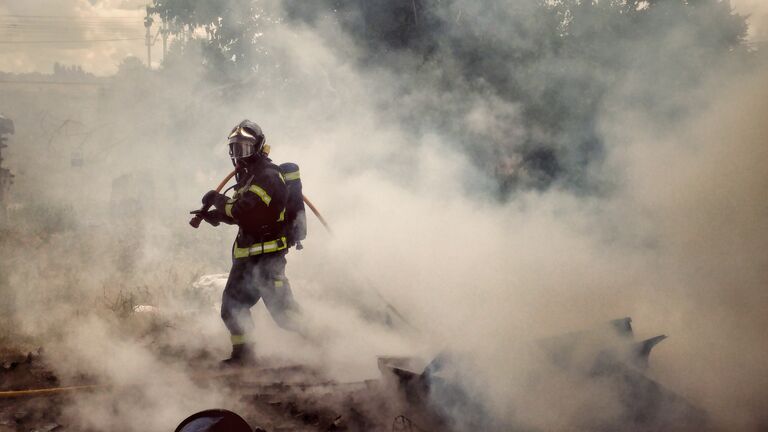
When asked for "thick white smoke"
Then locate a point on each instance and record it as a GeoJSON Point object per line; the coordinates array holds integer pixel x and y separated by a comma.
{"type": "Point", "coordinates": [675, 239]}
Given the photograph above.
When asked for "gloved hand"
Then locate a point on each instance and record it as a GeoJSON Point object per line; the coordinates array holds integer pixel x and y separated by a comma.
{"type": "Point", "coordinates": [215, 199]}
{"type": "Point", "coordinates": [213, 217]}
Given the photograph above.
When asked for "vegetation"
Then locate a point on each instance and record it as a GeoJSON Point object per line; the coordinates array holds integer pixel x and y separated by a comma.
{"type": "Point", "coordinates": [232, 30]}
{"type": "Point", "coordinates": [555, 62]}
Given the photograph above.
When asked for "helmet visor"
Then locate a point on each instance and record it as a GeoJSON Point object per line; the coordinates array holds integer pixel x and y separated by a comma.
{"type": "Point", "coordinates": [242, 143]}
{"type": "Point", "coordinates": [241, 149]}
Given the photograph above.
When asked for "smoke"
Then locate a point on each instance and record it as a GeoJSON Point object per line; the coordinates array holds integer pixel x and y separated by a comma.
{"type": "Point", "coordinates": [758, 17]}
{"type": "Point", "coordinates": [704, 203]}
{"type": "Point", "coordinates": [651, 209]}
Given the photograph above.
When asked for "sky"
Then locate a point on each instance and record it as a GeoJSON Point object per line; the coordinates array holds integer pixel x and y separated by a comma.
{"type": "Point", "coordinates": [111, 22]}
{"type": "Point", "coordinates": [116, 24]}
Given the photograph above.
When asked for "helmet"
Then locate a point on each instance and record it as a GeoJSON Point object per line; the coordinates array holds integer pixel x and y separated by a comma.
{"type": "Point", "coordinates": [246, 140]}
{"type": "Point", "coordinates": [214, 420]}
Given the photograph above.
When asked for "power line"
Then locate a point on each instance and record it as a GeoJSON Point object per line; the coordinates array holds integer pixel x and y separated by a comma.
{"type": "Point", "coordinates": [70, 23]}
{"type": "Point", "coordinates": [67, 23]}
{"type": "Point", "coordinates": [74, 83]}
{"type": "Point", "coordinates": [49, 29]}
{"type": "Point", "coordinates": [69, 41]}
{"type": "Point", "coordinates": [65, 29]}
{"type": "Point", "coordinates": [63, 22]}
{"type": "Point", "coordinates": [67, 16]}
{"type": "Point", "coordinates": [73, 19]}
{"type": "Point", "coordinates": [59, 31]}
{"type": "Point", "coordinates": [72, 33]}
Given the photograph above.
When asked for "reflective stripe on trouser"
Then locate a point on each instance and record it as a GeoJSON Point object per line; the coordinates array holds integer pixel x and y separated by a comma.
{"type": "Point", "coordinates": [237, 339]}
{"type": "Point", "coordinates": [259, 248]}
{"type": "Point", "coordinates": [252, 279]}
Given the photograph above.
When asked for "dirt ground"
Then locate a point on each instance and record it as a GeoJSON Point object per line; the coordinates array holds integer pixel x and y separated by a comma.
{"type": "Point", "coordinates": [271, 397]}
{"type": "Point", "coordinates": [26, 371]}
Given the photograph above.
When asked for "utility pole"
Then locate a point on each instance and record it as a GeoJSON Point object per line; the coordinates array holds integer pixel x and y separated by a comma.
{"type": "Point", "coordinates": [164, 32]}
{"type": "Point", "coordinates": [6, 178]}
{"type": "Point", "coordinates": [147, 25]}
{"type": "Point", "coordinates": [364, 14]}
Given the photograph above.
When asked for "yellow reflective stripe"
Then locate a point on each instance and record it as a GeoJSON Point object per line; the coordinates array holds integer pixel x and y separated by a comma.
{"type": "Point", "coordinates": [260, 248]}
{"type": "Point", "coordinates": [282, 216]}
{"type": "Point", "coordinates": [261, 193]}
{"type": "Point", "coordinates": [282, 179]}
{"type": "Point", "coordinates": [278, 284]}
{"type": "Point", "coordinates": [239, 252]}
{"type": "Point", "coordinates": [228, 207]}
{"type": "Point", "coordinates": [237, 339]}
{"type": "Point", "coordinates": [267, 247]}
{"type": "Point", "coordinates": [292, 176]}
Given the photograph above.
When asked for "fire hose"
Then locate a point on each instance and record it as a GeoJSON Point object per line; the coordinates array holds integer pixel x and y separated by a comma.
{"type": "Point", "coordinates": [52, 391]}
{"type": "Point", "coordinates": [199, 214]}
{"type": "Point", "coordinates": [47, 391]}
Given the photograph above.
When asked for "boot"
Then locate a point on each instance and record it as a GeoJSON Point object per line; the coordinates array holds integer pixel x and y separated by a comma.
{"type": "Point", "coordinates": [242, 355]}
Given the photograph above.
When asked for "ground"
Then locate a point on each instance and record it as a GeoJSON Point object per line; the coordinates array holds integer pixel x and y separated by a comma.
{"type": "Point", "coordinates": [273, 397]}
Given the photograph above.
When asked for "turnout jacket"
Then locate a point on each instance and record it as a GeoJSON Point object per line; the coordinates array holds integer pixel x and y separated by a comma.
{"type": "Point", "coordinates": [258, 208]}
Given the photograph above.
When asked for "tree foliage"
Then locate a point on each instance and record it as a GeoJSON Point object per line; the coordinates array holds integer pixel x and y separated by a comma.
{"type": "Point", "coordinates": [555, 60]}
{"type": "Point", "coordinates": [549, 65]}
{"type": "Point", "coordinates": [228, 31]}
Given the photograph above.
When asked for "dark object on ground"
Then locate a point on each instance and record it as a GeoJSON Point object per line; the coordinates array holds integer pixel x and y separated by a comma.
{"type": "Point", "coordinates": [608, 354]}
{"type": "Point", "coordinates": [214, 420]}
{"type": "Point", "coordinates": [6, 126]}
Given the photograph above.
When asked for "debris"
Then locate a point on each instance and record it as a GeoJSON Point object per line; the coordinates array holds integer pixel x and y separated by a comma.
{"type": "Point", "coordinates": [47, 427]}
{"type": "Point", "coordinates": [608, 353]}
{"type": "Point", "coordinates": [337, 424]}
{"type": "Point", "coordinates": [211, 282]}
{"type": "Point", "coordinates": [402, 423]}
{"type": "Point", "coordinates": [146, 309]}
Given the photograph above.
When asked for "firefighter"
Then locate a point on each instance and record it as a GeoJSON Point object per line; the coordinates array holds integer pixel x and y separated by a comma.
{"type": "Point", "coordinates": [258, 208]}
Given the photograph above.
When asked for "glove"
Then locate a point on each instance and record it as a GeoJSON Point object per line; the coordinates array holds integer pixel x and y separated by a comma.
{"type": "Point", "coordinates": [213, 217]}
{"type": "Point", "coordinates": [215, 199]}
{"type": "Point", "coordinates": [209, 197]}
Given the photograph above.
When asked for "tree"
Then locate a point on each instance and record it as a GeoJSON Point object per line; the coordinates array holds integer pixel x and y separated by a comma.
{"type": "Point", "coordinates": [232, 30]}
{"type": "Point", "coordinates": [552, 65]}
{"type": "Point", "coordinates": [131, 66]}
{"type": "Point", "coordinates": [555, 61]}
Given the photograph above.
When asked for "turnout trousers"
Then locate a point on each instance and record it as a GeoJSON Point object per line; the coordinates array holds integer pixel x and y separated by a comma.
{"type": "Point", "coordinates": [253, 278]}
